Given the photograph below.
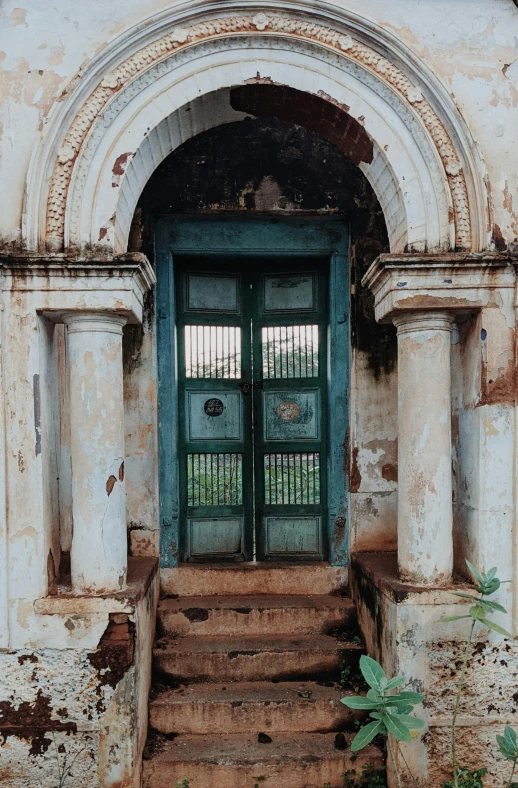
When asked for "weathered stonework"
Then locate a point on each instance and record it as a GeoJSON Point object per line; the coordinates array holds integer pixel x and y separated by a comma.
{"type": "Point", "coordinates": [86, 705]}
{"type": "Point", "coordinates": [126, 75]}
{"type": "Point", "coordinates": [245, 108]}
{"type": "Point", "coordinates": [403, 630]}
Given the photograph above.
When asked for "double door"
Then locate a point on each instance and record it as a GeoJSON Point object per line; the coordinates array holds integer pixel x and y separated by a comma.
{"type": "Point", "coordinates": [252, 376]}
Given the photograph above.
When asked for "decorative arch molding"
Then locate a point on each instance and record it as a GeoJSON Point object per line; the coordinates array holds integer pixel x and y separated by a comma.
{"type": "Point", "coordinates": [183, 54]}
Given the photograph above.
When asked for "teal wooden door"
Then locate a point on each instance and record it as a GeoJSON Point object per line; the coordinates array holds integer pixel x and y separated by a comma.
{"type": "Point", "coordinates": [280, 445]}
{"type": "Point", "coordinates": [215, 411]}
{"type": "Point", "coordinates": [251, 401]}
{"type": "Point", "coordinates": [289, 380]}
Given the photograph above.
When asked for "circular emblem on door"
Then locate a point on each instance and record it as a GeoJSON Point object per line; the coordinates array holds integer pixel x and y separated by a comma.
{"type": "Point", "coordinates": [213, 407]}
{"type": "Point", "coordinates": [288, 411]}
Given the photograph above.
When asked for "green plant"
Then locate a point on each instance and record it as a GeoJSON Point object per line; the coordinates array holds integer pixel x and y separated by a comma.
{"type": "Point", "coordinates": [509, 749]}
{"type": "Point", "coordinates": [486, 584]}
{"type": "Point", "coordinates": [259, 779]}
{"type": "Point", "coordinates": [468, 779]}
{"type": "Point", "coordinates": [183, 783]}
{"type": "Point", "coordinates": [389, 711]}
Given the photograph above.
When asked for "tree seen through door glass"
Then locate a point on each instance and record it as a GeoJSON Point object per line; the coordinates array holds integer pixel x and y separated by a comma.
{"type": "Point", "coordinates": [292, 478]}
{"type": "Point", "coordinates": [290, 351]}
{"type": "Point", "coordinates": [212, 352]}
{"type": "Point", "coordinates": [214, 480]}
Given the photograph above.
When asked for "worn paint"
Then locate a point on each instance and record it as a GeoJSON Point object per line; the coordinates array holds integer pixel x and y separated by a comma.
{"type": "Point", "coordinates": [474, 55]}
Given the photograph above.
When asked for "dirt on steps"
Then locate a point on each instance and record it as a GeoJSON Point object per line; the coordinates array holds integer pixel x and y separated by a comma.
{"type": "Point", "coordinates": [266, 614]}
{"type": "Point", "coordinates": [253, 707]}
{"type": "Point", "coordinates": [246, 692]}
{"type": "Point", "coordinates": [252, 658]}
{"type": "Point", "coordinates": [303, 760]}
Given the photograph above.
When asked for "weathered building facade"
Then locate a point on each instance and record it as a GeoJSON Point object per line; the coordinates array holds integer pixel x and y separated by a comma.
{"type": "Point", "coordinates": [258, 340]}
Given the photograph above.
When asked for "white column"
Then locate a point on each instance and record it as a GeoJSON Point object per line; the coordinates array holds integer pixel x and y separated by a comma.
{"type": "Point", "coordinates": [99, 544]}
{"type": "Point", "coordinates": [425, 533]}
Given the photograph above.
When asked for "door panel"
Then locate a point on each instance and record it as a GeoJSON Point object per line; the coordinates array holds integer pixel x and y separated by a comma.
{"type": "Point", "coordinates": [295, 536]}
{"type": "Point", "coordinates": [252, 388]}
{"type": "Point", "coordinates": [216, 414]}
{"type": "Point", "coordinates": [290, 350]}
{"type": "Point", "coordinates": [291, 415]}
{"type": "Point", "coordinates": [207, 292]}
{"type": "Point", "coordinates": [215, 454]}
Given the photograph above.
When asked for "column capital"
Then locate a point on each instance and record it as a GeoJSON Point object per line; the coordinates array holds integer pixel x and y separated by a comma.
{"type": "Point", "coordinates": [61, 284]}
{"type": "Point", "coordinates": [453, 282]}
{"type": "Point", "coordinates": [409, 322]}
{"type": "Point", "coordinates": [107, 322]}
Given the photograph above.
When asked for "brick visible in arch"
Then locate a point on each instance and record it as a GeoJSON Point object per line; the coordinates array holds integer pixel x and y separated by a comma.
{"type": "Point", "coordinates": [309, 111]}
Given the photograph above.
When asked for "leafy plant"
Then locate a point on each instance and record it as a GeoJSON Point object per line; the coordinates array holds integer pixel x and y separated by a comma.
{"type": "Point", "coordinates": [259, 779]}
{"type": "Point", "coordinates": [509, 749]}
{"type": "Point", "coordinates": [183, 783]}
{"type": "Point", "coordinates": [468, 779]}
{"type": "Point", "coordinates": [389, 711]}
{"type": "Point", "coordinates": [486, 584]}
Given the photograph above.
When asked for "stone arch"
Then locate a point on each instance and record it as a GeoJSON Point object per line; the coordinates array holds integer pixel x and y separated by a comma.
{"type": "Point", "coordinates": [161, 83]}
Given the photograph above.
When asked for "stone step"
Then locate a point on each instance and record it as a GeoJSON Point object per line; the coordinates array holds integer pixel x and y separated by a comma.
{"type": "Point", "coordinates": [255, 615]}
{"type": "Point", "coordinates": [242, 579]}
{"type": "Point", "coordinates": [251, 706]}
{"type": "Point", "coordinates": [303, 760]}
{"type": "Point", "coordinates": [202, 658]}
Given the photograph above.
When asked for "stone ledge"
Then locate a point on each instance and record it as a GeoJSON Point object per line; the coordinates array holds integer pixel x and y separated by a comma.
{"type": "Point", "coordinates": [141, 572]}
{"type": "Point", "coordinates": [381, 570]}
{"type": "Point", "coordinates": [451, 281]}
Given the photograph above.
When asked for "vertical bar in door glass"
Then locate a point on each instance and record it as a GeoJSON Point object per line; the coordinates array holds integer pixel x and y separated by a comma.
{"type": "Point", "coordinates": [274, 355]}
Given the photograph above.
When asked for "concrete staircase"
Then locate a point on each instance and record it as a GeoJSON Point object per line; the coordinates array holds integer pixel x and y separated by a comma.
{"type": "Point", "coordinates": [246, 688]}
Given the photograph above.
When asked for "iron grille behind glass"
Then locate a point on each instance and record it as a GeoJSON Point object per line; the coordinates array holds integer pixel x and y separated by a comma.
{"type": "Point", "coordinates": [212, 352]}
{"type": "Point", "coordinates": [290, 351]}
{"type": "Point", "coordinates": [292, 478]}
{"type": "Point", "coordinates": [214, 480]}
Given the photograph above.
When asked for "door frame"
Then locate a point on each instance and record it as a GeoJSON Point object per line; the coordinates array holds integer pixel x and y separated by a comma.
{"type": "Point", "coordinates": [261, 237]}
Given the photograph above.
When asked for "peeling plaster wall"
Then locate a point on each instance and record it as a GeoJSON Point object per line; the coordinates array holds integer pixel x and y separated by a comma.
{"type": "Point", "coordinates": [470, 46]}
{"type": "Point", "coordinates": [79, 699]}
{"type": "Point", "coordinates": [403, 629]}
{"type": "Point", "coordinates": [484, 401]}
{"type": "Point", "coordinates": [69, 671]}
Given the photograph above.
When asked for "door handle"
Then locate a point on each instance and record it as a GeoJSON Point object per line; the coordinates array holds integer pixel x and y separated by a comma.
{"type": "Point", "coordinates": [245, 388]}
{"type": "Point", "coordinates": [258, 384]}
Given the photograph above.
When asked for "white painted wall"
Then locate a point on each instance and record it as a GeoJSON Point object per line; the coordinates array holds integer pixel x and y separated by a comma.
{"type": "Point", "coordinates": [468, 44]}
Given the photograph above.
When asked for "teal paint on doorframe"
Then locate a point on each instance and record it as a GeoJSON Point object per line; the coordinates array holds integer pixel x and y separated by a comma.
{"type": "Point", "coordinates": [261, 237]}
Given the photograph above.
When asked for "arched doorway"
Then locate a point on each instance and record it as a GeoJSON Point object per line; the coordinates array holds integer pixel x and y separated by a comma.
{"type": "Point", "coordinates": [260, 193]}
{"type": "Point", "coordinates": [194, 71]}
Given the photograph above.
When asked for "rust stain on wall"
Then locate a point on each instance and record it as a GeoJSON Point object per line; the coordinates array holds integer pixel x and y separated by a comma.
{"type": "Point", "coordinates": [37, 413]}
{"type": "Point", "coordinates": [315, 113]}
{"type": "Point", "coordinates": [110, 484]}
{"type": "Point", "coordinates": [115, 652]}
{"type": "Point", "coordinates": [498, 239]}
{"type": "Point", "coordinates": [389, 472]}
{"type": "Point", "coordinates": [31, 721]}
{"type": "Point", "coordinates": [119, 167]}
{"type": "Point", "coordinates": [502, 389]}
{"type": "Point", "coordinates": [355, 478]}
